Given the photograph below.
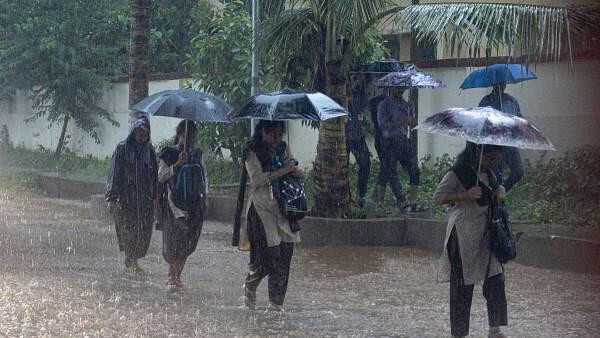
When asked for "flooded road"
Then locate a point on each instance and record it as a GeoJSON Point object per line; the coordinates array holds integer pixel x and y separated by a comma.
{"type": "Point", "coordinates": [62, 276]}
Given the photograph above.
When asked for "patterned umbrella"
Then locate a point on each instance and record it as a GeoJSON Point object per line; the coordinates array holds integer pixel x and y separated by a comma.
{"type": "Point", "coordinates": [412, 78]}
{"type": "Point", "coordinates": [486, 125]}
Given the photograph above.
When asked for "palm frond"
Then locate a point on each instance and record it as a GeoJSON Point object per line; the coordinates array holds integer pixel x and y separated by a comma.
{"type": "Point", "coordinates": [478, 28]}
{"type": "Point", "coordinates": [289, 29]}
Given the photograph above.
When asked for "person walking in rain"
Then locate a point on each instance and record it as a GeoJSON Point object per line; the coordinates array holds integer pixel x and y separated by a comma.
{"type": "Point", "coordinates": [355, 138]}
{"type": "Point", "coordinates": [499, 100]}
{"type": "Point", "coordinates": [181, 168]}
{"type": "Point", "coordinates": [466, 258]}
{"type": "Point", "coordinates": [393, 178]}
{"type": "Point", "coordinates": [394, 118]}
{"type": "Point", "coordinates": [130, 192]}
{"type": "Point", "coordinates": [270, 234]}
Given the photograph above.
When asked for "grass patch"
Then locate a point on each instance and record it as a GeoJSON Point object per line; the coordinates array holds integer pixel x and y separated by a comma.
{"type": "Point", "coordinates": [563, 190]}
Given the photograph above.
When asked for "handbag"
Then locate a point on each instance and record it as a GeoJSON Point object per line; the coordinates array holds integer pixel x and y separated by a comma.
{"type": "Point", "coordinates": [291, 198]}
{"type": "Point", "coordinates": [502, 239]}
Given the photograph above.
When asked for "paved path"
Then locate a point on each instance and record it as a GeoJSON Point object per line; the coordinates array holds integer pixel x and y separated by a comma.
{"type": "Point", "coordinates": [62, 277]}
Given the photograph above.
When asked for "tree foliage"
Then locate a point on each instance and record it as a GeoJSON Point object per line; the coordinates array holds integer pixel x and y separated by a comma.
{"type": "Point", "coordinates": [62, 52]}
{"type": "Point", "coordinates": [221, 65]}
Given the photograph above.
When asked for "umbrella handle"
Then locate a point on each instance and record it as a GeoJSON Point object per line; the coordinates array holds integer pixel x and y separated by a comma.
{"type": "Point", "coordinates": [479, 166]}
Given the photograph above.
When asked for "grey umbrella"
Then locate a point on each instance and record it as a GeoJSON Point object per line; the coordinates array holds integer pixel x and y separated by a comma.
{"type": "Point", "coordinates": [186, 104]}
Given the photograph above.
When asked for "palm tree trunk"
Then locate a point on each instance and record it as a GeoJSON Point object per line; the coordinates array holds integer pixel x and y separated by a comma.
{"type": "Point", "coordinates": [332, 193]}
{"type": "Point", "coordinates": [139, 59]}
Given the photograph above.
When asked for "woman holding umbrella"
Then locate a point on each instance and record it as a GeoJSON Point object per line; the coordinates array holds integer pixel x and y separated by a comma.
{"type": "Point", "coordinates": [270, 234]}
{"type": "Point", "coordinates": [467, 258]}
{"type": "Point", "coordinates": [181, 168]}
{"type": "Point", "coordinates": [470, 186]}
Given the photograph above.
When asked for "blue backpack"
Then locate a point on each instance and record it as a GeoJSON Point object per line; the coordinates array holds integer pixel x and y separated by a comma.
{"type": "Point", "coordinates": [190, 186]}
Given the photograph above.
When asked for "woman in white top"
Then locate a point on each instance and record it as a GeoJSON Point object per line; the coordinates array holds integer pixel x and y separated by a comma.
{"type": "Point", "coordinates": [271, 235]}
{"type": "Point", "coordinates": [466, 258]}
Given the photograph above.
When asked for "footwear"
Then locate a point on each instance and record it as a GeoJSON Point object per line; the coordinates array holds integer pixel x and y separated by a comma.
{"type": "Point", "coordinates": [249, 298]}
{"type": "Point", "coordinates": [415, 207]}
{"type": "Point", "coordinates": [178, 282]}
{"type": "Point", "coordinates": [173, 283]}
{"type": "Point", "coordinates": [274, 308]}
{"type": "Point", "coordinates": [495, 332]}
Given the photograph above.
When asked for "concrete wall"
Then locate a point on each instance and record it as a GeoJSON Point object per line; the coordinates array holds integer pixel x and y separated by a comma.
{"type": "Point", "coordinates": [563, 104]}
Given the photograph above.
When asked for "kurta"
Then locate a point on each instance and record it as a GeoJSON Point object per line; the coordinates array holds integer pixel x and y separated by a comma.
{"type": "Point", "coordinates": [470, 221]}
{"type": "Point", "coordinates": [276, 225]}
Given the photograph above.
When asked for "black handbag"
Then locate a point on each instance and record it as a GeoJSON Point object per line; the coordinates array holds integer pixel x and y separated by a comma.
{"type": "Point", "coordinates": [291, 198]}
{"type": "Point", "coordinates": [502, 239]}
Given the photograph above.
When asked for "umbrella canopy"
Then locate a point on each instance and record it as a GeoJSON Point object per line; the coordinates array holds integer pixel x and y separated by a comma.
{"type": "Point", "coordinates": [486, 125]}
{"type": "Point", "coordinates": [412, 78]}
{"type": "Point", "coordinates": [186, 104]}
{"type": "Point", "coordinates": [290, 105]}
{"type": "Point", "coordinates": [497, 73]}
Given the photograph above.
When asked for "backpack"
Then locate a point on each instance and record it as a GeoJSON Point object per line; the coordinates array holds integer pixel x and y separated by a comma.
{"type": "Point", "coordinates": [188, 185]}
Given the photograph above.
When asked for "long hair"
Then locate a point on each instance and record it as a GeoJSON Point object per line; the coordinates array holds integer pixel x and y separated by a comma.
{"type": "Point", "coordinates": [181, 129]}
{"type": "Point", "coordinates": [257, 144]}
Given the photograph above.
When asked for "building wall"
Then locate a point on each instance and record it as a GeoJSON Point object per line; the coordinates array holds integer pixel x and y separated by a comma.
{"type": "Point", "coordinates": [563, 104]}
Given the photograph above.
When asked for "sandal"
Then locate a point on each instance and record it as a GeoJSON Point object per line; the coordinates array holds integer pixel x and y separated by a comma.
{"type": "Point", "coordinates": [415, 207]}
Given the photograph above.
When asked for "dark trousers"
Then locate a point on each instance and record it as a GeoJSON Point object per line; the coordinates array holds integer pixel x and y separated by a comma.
{"type": "Point", "coordinates": [271, 262]}
{"type": "Point", "coordinates": [398, 149]}
{"type": "Point", "coordinates": [512, 158]}
{"type": "Point", "coordinates": [359, 149]}
{"type": "Point", "coordinates": [461, 295]}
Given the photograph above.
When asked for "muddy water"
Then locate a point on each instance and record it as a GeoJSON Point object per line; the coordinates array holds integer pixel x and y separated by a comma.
{"type": "Point", "coordinates": [62, 276]}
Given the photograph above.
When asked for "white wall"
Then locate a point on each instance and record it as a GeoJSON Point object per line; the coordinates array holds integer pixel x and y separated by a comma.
{"type": "Point", "coordinates": [564, 105]}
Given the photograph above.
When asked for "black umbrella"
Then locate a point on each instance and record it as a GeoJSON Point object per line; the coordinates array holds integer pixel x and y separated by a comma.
{"type": "Point", "coordinates": [290, 105]}
{"type": "Point", "coordinates": [186, 104]}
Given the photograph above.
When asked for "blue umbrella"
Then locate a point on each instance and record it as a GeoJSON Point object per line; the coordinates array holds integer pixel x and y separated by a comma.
{"type": "Point", "coordinates": [498, 73]}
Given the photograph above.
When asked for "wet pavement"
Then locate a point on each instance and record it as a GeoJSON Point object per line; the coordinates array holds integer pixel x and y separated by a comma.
{"type": "Point", "coordinates": [62, 277]}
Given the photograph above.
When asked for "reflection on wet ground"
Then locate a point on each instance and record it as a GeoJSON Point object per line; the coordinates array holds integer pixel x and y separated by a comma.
{"type": "Point", "coordinates": [62, 277]}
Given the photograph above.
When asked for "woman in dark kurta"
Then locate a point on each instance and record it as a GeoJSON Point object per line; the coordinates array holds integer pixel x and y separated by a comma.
{"type": "Point", "coordinates": [271, 238]}
{"type": "Point", "coordinates": [130, 192]}
{"type": "Point", "coordinates": [183, 224]}
{"type": "Point", "coordinates": [466, 258]}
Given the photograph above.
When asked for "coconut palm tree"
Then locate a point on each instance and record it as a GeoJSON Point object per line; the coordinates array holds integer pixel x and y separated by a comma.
{"type": "Point", "coordinates": [324, 32]}
{"type": "Point", "coordinates": [139, 50]}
